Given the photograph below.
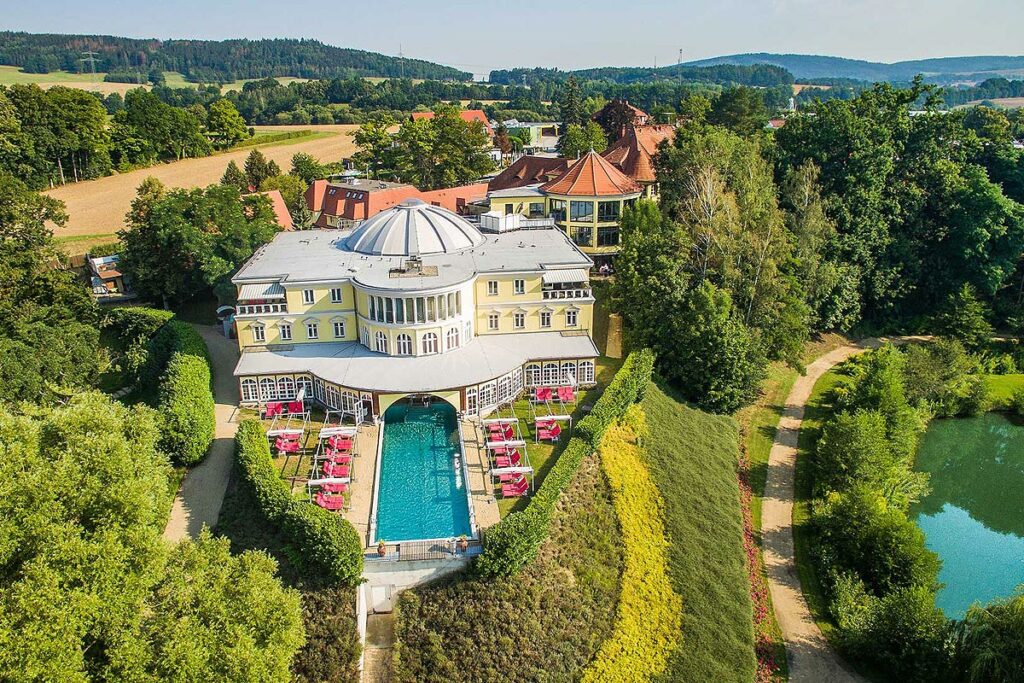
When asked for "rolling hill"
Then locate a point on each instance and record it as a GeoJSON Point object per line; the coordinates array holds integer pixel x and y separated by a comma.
{"type": "Point", "coordinates": [209, 60]}
{"type": "Point", "coordinates": [941, 70]}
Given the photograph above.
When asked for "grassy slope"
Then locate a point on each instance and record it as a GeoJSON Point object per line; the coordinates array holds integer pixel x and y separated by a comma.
{"type": "Point", "coordinates": [1002, 387]}
{"type": "Point", "coordinates": [328, 614]}
{"type": "Point", "coordinates": [692, 457]}
{"type": "Point", "coordinates": [544, 624]}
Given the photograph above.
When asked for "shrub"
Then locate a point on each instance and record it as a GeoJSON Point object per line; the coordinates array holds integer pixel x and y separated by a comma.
{"type": "Point", "coordinates": [650, 612]}
{"type": "Point", "coordinates": [853, 448]}
{"type": "Point", "coordinates": [327, 543]}
{"type": "Point", "coordinates": [133, 327]}
{"type": "Point", "coordinates": [513, 542]}
{"type": "Point", "coordinates": [186, 405]}
{"type": "Point", "coordinates": [1017, 402]}
{"type": "Point", "coordinates": [174, 337]}
{"type": "Point", "coordinates": [906, 633]}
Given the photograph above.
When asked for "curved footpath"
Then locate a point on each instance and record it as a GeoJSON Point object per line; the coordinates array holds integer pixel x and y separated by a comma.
{"type": "Point", "coordinates": [808, 653]}
{"type": "Point", "coordinates": [198, 501]}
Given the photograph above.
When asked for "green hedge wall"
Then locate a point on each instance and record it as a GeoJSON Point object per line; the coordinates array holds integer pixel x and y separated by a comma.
{"type": "Point", "coordinates": [513, 542]}
{"type": "Point", "coordinates": [327, 543]}
{"type": "Point", "coordinates": [174, 337]}
{"type": "Point", "coordinates": [186, 404]}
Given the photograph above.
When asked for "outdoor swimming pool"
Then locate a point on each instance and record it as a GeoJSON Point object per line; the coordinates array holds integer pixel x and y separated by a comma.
{"type": "Point", "coordinates": [421, 493]}
{"type": "Point", "coordinates": [973, 518]}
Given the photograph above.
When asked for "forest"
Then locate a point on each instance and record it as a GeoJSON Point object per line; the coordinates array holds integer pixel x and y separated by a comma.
{"type": "Point", "coordinates": [210, 61]}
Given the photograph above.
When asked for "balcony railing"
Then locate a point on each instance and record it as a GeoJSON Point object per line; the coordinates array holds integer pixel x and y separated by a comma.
{"type": "Point", "coordinates": [582, 293]}
{"type": "Point", "coordinates": [260, 309]}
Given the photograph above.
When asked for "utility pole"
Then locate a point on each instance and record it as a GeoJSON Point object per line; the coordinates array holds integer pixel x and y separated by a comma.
{"type": "Point", "coordinates": [401, 60]}
{"type": "Point", "coordinates": [680, 60]}
{"type": "Point", "coordinates": [90, 58]}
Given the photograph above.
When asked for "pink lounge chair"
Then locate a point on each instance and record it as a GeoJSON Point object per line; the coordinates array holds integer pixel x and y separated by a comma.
{"type": "Point", "coordinates": [566, 395]}
{"type": "Point", "coordinates": [545, 394]}
{"type": "Point", "coordinates": [296, 407]}
{"type": "Point", "coordinates": [338, 456]}
{"type": "Point", "coordinates": [515, 489]}
{"type": "Point", "coordinates": [340, 442]}
{"type": "Point", "coordinates": [335, 470]}
{"type": "Point", "coordinates": [287, 445]}
{"type": "Point", "coordinates": [511, 460]}
{"type": "Point", "coordinates": [273, 409]}
{"type": "Point", "coordinates": [329, 502]}
{"type": "Point", "coordinates": [549, 433]}
{"type": "Point", "coordinates": [334, 488]}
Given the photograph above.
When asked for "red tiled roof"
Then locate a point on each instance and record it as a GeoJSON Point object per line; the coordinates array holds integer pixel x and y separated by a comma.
{"type": "Point", "coordinates": [633, 153]}
{"type": "Point", "coordinates": [640, 117]}
{"type": "Point", "coordinates": [284, 217]}
{"type": "Point", "coordinates": [592, 176]}
{"type": "Point", "coordinates": [359, 202]}
{"type": "Point", "coordinates": [315, 195]}
{"type": "Point", "coordinates": [529, 170]}
{"type": "Point", "coordinates": [455, 198]}
{"type": "Point", "coordinates": [468, 115]}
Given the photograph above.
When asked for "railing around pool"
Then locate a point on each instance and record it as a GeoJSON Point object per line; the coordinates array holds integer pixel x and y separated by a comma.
{"type": "Point", "coordinates": [465, 480]}
{"type": "Point", "coordinates": [433, 549]}
{"type": "Point", "coordinates": [376, 483]}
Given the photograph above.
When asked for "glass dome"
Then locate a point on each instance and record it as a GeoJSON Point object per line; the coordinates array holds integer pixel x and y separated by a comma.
{"type": "Point", "coordinates": [414, 228]}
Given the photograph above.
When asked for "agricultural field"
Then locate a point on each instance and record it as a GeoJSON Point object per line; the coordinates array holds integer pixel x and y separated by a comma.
{"type": "Point", "coordinates": [12, 75]}
{"type": "Point", "coordinates": [96, 208]}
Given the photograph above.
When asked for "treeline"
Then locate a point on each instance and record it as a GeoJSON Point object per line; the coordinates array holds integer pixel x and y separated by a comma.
{"type": "Point", "coordinates": [210, 61]}
{"type": "Point", "coordinates": [61, 135]}
{"type": "Point", "coordinates": [854, 215]}
{"type": "Point", "coordinates": [990, 89]}
{"type": "Point", "coordinates": [764, 75]}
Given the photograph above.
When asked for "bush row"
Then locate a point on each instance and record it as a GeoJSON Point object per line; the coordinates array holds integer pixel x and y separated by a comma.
{"type": "Point", "coordinates": [326, 543]}
{"type": "Point", "coordinates": [186, 404]}
{"type": "Point", "coordinates": [649, 616]}
{"type": "Point", "coordinates": [174, 337]}
{"type": "Point", "coordinates": [513, 542]}
{"type": "Point", "coordinates": [134, 326]}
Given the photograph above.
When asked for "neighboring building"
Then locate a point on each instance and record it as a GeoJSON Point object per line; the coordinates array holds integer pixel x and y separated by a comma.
{"type": "Point", "coordinates": [529, 170]}
{"type": "Point", "coordinates": [586, 202]}
{"type": "Point", "coordinates": [634, 153]}
{"type": "Point", "coordinates": [775, 124]}
{"type": "Point", "coordinates": [281, 213]}
{"type": "Point", "coordinates": [343, 204]}
{"type": "Point", "coordinates": [468, 115]}
{"type": "Point", "coordinates": [106, 279]}
{"type": "Point", "coordinates": [416, 300]}
{"type": "Point", "coordinates": [640, 117]}
{"type": "Point", "coordinates": [543, 135]}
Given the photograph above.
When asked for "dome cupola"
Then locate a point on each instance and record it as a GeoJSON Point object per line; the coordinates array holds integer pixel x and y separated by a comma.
{"type": "Point", "coordinates": [414, 228]}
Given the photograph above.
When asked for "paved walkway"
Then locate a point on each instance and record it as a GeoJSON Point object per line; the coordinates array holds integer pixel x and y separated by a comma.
{"type": "Point", "coordinates": [199, 499]}
{"type": "Point", "coordinates": [810, 658]}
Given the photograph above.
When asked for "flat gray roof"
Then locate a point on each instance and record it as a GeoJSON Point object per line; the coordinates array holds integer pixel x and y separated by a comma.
{"type": "Point", "coordinates": [352, 365]}
{"type": "Point", "coordinates": [317, 255]}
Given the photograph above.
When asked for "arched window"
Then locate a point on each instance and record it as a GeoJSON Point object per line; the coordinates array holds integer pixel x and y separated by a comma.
{"type": "Point", "coordinates": [403, 345]}
{"type": "Point", "coordinates": [250, 390]}
{"type": "Point", "coordinates": [382, 342]}
{"type": "Point", "coordinates": [532, 375]}
{"type": "Point", "coordinates": [568, 374]}
{"type": "Point", "coordinates": [268, 389]}
{"type": "Point", "coordinates": [305, 383]}
{"type": "Point", "coordinates": [551, 373]}
{"type": "Point", "coordinates": [451, 339]}
{"type": "Point", "coordinates": [286, 388]}
{"type": "Point", "coordinates": [586, 372]}
{"type": "Point", "coordinates": [430, 343]}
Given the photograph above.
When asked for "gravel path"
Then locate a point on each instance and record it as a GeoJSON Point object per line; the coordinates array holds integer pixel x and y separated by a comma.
{"type": "Point", "coordinates": [202, 492]}
{"type": "Point", "coordinates": [809, 656]}
{"type": "Point", "coordinates": [98, 207]}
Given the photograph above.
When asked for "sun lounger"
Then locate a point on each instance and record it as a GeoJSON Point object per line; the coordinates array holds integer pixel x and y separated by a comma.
{"type": "Point", "coordinates": [273, 408]}
{"type": "Point", "coordinates": [549, 433]}
{"type": "Point", "coordinates": [340, 442]}
{"type": "Point", "coordinates": [566, 395]}
{"type": "Point", "coordinates": [511, 460]}
{"type": "Point", "coordinates": [335, 469]}
{"type": "Point", "coordinates": [515, 489]}
{"type": "Point", "coordinates": [286, 445]}
{"type": "Point", "coordinates": [337, 456]}
{"type": "Point", "coordinates": [334, 488]}
{"type": "Point", "coordinates": [330, 502]}
{"type": "Point", "coordinates": [296, 407]}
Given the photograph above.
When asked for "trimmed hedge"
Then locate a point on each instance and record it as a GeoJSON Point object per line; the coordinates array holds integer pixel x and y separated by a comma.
{"type": "Point", "coordinates": [174, 337]}
{"type": "Point", "coordinates": [187, 408]}
{"type": "Point", "coordinates": [514, 542]}
{"type": "Point", "coordinates": [326, 543]}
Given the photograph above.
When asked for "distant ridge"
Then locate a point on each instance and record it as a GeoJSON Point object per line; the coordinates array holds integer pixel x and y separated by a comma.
{"type": "Point", "coordinates": [940, 69]}
{"type": "Point", "coordinates": [210, 60]}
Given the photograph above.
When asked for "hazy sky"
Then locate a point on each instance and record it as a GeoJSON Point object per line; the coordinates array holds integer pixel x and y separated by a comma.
{"type": "Point", "coordinates": [479, 36]}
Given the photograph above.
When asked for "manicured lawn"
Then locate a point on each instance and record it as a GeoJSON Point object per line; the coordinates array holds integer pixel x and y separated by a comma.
{"type": "Point", "coordinates": [1002, 387]}
{"type": "Point", "coordinates": [545, 624]}
{"type": "Point", "coordinates": [331, 652]}
{"type": "Point", "coordinates": [817, 410]}
{"type": "Point", "coordinates": [692, 456]}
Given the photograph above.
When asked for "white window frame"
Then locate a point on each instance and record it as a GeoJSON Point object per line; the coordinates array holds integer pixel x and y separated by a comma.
{"type": "Point", "coordinates": [545, 318]}
{"type": "Point", "coordinates": [493, 321]}
{"type": "Point", "coordinates": [572, 317]}
{"type": "Point", "coordinates": [312, 330]}
{"type": "Point", "coordinates": [430, 343]}
{"type": "Point", "coordinates": [492, 288]}
{"type": "Point", "coordinates": [285, 329]}
{"type": "Point", "coordinates": [586, 372]}
{"type": "Point", "coordinates": [268, 389]}
{"type": "Point", "coordinates": [403, 345]}
{"type": "Point", "coordinates": [519, 286]}
{"type": "Point", "coordinates": [519, 321]}
{"type": "Point", "coordinates": [259, 333]}
{"type": "Point", "coordinates": [308, 296]}
{"type": "Point", "coordinates": [339, 329]}
{"type": "Point", "coordinates": [533, 375]}
{"type": "Point", "coordinates": [336, 295]}
{"type": "Point", "coordinates": [549, 373]}
{"type": "Point", "coordinates": [250, 390]}
{"type": "Point", "coordinates": [451, 338]}
{"type": "Point", "coordinates": [380, 342]}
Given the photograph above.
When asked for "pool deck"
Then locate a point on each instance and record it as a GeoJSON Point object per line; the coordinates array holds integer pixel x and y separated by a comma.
{"type": "Point", "coordinates": [484, 504]}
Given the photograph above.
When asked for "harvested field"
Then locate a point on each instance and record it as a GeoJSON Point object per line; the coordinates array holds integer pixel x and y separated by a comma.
{"type": "Point", "coordinates": [97, 207]}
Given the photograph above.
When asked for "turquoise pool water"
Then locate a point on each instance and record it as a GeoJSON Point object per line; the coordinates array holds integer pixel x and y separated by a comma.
{"type": "Point", "coordinates": [421, 494]}
{"type": "Point", "coordinates": [973, 517]}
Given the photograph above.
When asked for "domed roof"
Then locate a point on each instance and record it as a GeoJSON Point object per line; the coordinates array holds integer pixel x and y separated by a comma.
{"type": "Point", "coordinates": [414, 228]}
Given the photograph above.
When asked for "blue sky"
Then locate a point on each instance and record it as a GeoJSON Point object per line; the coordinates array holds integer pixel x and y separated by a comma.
{"type": "Point", "coordinates": [479, 36]}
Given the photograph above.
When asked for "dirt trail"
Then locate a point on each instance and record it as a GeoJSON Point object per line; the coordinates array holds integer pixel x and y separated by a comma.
{"type": "Point", "coordinates": [98, 207]}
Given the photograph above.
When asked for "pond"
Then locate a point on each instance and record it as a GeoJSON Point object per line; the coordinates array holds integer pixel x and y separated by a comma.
{"type": "Point", "coordinates": [974, 517]}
